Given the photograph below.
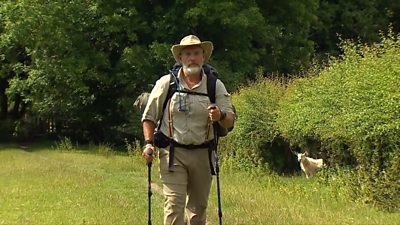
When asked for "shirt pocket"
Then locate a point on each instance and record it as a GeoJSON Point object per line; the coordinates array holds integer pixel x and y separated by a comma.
{"type": "Point", "coordinates": [199, 104]}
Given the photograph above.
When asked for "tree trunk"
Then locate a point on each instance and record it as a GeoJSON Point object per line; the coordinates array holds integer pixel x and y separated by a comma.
{"type": "Point", "coordinates": [3, 100]}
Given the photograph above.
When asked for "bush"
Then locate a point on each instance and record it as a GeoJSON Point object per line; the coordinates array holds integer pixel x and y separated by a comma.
{"type": "Point", "coordinates": [249, 144]}
{"type": "Point", "coordinates": [352, 108]}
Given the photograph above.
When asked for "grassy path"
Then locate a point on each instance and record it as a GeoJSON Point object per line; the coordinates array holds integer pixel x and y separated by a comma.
{"type": "Point", "coordinates": [44, 186]}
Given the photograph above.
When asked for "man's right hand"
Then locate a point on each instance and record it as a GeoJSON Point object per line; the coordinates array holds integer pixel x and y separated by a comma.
{"type": "Point", "coordinates": [149, 152]}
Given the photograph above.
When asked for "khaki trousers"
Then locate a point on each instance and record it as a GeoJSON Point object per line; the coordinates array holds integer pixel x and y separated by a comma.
{"type": "Point", "coordinates": [186, 189]}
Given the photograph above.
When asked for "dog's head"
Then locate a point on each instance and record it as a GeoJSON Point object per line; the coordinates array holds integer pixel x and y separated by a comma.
{"type": "Point", "coordinates": [299, 155]}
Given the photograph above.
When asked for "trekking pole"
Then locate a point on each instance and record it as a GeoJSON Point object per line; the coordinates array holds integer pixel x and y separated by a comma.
{"type": "Point", "coordinates": [218, 188]}
{"type": "Point", "coordinates": [217, 175]}
{"type": "Point", "coordinates": [149, 193]}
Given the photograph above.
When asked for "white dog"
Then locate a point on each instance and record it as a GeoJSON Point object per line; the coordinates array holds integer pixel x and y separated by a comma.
{"type": "Point", "coordinates": [309, 165]}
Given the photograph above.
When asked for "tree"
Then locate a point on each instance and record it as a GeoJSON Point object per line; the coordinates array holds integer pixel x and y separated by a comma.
{"type": "Point", "coordinates": [78, 50]}
{"type": "Point", "coordinates": [290, 22]}
{"type": "Point", "coordinates": [81, 64]}
{"type": "Point", "coordinates": [358, 20]}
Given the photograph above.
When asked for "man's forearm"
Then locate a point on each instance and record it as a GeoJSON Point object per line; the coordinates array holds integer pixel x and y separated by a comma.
{"type": "Point", "coordinates": [148, 129]}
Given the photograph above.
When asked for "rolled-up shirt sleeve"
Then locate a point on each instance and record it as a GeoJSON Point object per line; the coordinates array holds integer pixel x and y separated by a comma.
{"type": "Point", "coordinates": [222, 97]}
{"type": "Point", "coordinates": [154, 106]}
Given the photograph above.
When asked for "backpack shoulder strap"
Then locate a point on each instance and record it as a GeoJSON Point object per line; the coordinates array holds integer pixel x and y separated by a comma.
{"type": "Point", "coordinates": [173, 84]}
{"type": "Point", "coordinates": [211, 82]}
{"type": "Point", "coordinates": [172, 88]}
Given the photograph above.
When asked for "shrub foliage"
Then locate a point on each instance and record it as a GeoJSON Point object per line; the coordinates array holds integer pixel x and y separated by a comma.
{"type": "Point", "coordinates": [352, 108]}
{"type": "Point", "coordinates": [347, 113]}
{"type": "Point", "coordinates": [255, 131]}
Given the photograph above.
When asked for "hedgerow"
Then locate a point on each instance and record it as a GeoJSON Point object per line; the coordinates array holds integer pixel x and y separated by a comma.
{"type": "Point", "coordinates": [246, 146]}
{"type": "Point", "coordinates": [352, 108]}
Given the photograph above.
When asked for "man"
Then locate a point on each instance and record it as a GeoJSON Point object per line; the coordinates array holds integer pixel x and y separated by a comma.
{"type": "Point", "coordinates": [185, 167]}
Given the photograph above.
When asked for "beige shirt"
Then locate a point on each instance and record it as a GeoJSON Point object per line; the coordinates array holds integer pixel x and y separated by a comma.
{"type": "Point", "coordinates": [190, 126]}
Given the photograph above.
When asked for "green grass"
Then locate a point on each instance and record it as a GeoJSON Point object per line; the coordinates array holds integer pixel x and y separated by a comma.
{"type": "Point", "coordinates": [295, 201]}
{"type": "Point", "coordinates": [45, 186]}
{"type": "Point", "coordinates": [53, 187]}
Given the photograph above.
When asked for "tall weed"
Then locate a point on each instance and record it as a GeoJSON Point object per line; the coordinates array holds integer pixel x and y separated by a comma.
{"type": "Point", "coordinates": [65, 144]}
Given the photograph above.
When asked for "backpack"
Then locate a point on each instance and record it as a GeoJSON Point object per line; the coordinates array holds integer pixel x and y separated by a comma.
{"type": "Point", "coordinates": [212, 76]}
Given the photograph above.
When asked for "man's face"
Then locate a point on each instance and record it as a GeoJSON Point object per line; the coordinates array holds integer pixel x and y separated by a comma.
{"type": "Point", "coordinates": [192, 57]}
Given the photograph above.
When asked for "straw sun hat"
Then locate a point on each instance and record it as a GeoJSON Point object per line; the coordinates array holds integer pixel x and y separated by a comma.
{"type": "Point", "coordinates": [189, 40]}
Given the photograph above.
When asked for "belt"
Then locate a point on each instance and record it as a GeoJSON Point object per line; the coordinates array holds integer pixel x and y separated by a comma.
{"type": "Point", "coordinates": [191, 146]}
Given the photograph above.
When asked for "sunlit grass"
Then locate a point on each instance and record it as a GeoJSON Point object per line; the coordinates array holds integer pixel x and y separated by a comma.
{"type": "Point", "coordinates": [289, 200]}
{"type": "Point", "coordinates": [53, 187]}
{"type": "Point", "coordinates": [45, 186]}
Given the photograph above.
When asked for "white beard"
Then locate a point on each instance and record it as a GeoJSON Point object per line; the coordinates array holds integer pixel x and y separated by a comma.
{"type": "Point", "coordinates": [193, 69]}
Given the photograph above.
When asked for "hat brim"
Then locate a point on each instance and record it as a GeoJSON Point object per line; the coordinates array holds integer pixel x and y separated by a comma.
{"type": "Point", "coordinates": [207, 46]}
